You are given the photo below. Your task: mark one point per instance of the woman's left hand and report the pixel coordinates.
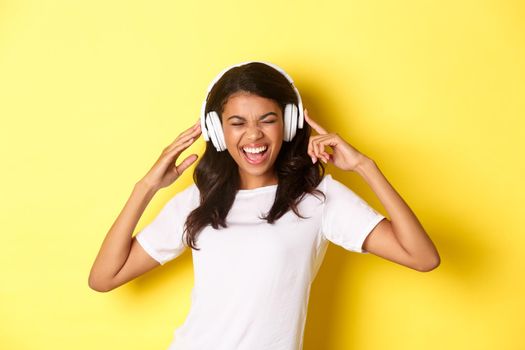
(344, 156)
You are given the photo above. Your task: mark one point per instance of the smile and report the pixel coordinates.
(255, 156)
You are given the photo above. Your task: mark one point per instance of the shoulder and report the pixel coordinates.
(322, 186)
(327, 183)
(335, 190)
(332, 185)
(187, 197)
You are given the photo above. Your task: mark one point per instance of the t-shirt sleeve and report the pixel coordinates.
(347, 219)
(162, 238)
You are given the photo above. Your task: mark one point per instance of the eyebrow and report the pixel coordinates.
(261, 117)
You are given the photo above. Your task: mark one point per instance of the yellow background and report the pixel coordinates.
(433, 91)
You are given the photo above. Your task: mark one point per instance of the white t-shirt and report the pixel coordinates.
(252, 279)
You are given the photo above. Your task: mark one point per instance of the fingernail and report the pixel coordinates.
(313, 160)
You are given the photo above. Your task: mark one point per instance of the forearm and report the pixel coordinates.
(117, 243)
(407, 228)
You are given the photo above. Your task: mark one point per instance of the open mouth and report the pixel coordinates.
(257, 155)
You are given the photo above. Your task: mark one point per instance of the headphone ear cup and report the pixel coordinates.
(293, 128)
(217, 127)
(204, 131)
(203, 128)
(300, 117)
(211, 131)
(287, 121)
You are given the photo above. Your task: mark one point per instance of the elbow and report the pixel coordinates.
(98, 286)
(429, 265)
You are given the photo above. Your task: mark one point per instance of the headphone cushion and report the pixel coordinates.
(217, 128)
(203, 128)
(287, 121)
(293, 126)
(211, 130)
(218, 131)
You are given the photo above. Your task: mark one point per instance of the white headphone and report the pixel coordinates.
(211, 124)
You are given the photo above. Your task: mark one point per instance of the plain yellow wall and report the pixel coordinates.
(91, 92)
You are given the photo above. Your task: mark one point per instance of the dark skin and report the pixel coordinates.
(249, 128)
(401, 239)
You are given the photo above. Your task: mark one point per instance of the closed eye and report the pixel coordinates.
(269, 122)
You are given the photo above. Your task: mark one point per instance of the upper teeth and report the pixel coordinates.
(255, 150)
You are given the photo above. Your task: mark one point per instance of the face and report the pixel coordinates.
(252, 123)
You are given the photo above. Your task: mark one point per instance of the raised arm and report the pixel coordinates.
(402, 239)
(121, 258)
(118, 245)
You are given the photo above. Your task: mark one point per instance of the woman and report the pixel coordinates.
(258, 217)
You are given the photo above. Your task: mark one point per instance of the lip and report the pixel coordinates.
(262, 160)
(255, 145)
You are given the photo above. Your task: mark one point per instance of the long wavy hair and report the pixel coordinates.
(217, 175)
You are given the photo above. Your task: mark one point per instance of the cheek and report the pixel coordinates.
(229, 135)
(233, 135)
(277, 131)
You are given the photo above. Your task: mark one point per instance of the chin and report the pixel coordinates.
(256, 172)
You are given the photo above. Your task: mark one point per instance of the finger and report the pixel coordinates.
(314, 125)
(185, 164)
(314, 139)
(174, 153)
(315, 146)
(311, 149)
(311, 154)
(319, 145)
(184, 138)
(194, 128)
(319, 150)
(330, 141)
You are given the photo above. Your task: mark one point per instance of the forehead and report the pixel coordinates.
(249, 103)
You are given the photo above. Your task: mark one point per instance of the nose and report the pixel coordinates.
(253, 132)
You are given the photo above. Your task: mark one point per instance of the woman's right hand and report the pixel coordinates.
(164, 172)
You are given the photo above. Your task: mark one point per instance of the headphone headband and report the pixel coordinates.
(300, 116)
(210, 86)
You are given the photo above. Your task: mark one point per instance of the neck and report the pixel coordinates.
(251, 182)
